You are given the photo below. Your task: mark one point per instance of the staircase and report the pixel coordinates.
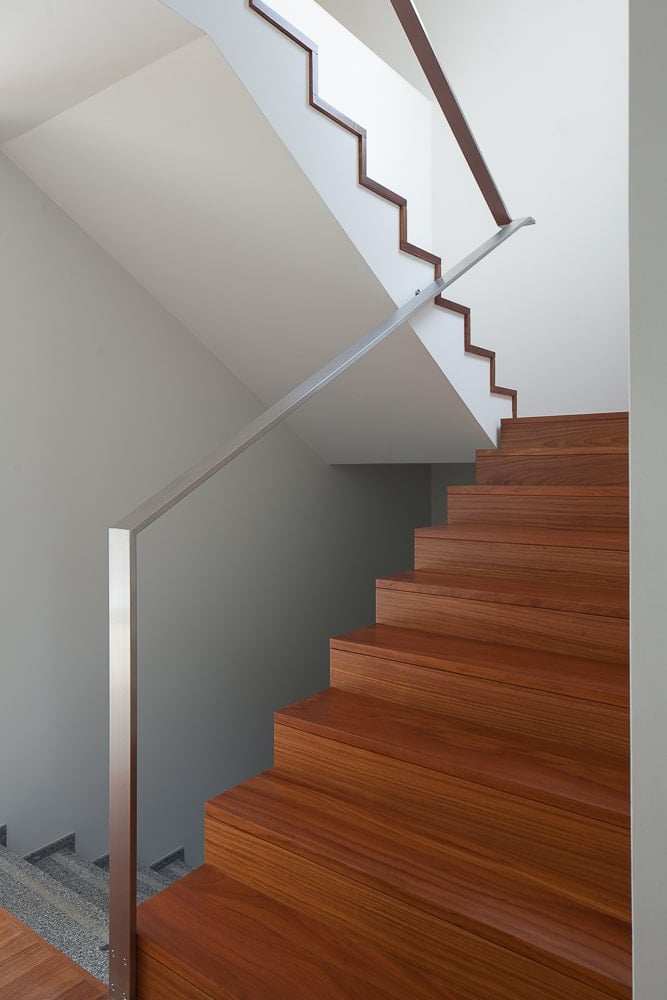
(451, 817)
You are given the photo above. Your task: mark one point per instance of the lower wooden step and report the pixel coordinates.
(560, 816)
(583, 622)
(211, 936)
(582, 703)
(553, 466)
(546, 506)
(486, 933)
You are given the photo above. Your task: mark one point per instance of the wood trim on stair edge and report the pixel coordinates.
(315, 101)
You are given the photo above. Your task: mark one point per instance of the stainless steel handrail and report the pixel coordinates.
(123, 617)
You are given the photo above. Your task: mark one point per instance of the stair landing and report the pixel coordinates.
(32, 968)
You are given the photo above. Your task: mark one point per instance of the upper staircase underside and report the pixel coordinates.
(450, 818)
(174, 170)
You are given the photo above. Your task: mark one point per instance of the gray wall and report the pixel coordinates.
(104, 398)
(648, 574)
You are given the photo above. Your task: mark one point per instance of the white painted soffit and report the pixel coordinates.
(176, 173)
(56, 53)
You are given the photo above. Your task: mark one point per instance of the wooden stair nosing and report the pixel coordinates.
(596, 787)
(265, 948)
(361, 846)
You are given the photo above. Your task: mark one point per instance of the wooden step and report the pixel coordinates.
(32, 969)
(604, 507)
(583, 430)
(455, 915)
(210, 936)
(448, 779)
(583, 703)
(557, 617)
(589, 556)
(553, 466)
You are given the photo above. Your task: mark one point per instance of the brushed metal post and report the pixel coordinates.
(122, 763)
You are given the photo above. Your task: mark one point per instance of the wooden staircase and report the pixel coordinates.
(451, 817)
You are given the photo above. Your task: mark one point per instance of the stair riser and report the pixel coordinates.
(598, 431)
(156, 981)
(541, 563)
(514, 709)
(466, 506)
(582, 857)
(583, 635)
(547, 470)
(466, 962)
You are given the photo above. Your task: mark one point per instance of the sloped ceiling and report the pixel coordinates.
(134, 124)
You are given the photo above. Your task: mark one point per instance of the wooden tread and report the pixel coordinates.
(587, 555)
(514, 799)
(594, 785)
(275, 834)
(582, 703)
(553, 466)
(211, 936)
(603, 681)
(547, 506)
(561, 618)
(588, 430)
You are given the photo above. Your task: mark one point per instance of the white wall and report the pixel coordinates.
(104, 398)
(375, 96)
(544, 87)
(648, 363)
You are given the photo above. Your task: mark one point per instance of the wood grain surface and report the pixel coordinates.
(585, 430)
(556, 466)
(32, 969)
(546, 506)
(267, 950)
(451, 817)
(591, 557)
(266, 832)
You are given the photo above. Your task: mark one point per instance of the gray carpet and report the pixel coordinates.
(65, 899)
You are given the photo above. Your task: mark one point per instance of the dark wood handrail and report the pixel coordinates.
(416, 34)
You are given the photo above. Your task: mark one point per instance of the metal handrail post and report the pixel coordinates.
(122, 762)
